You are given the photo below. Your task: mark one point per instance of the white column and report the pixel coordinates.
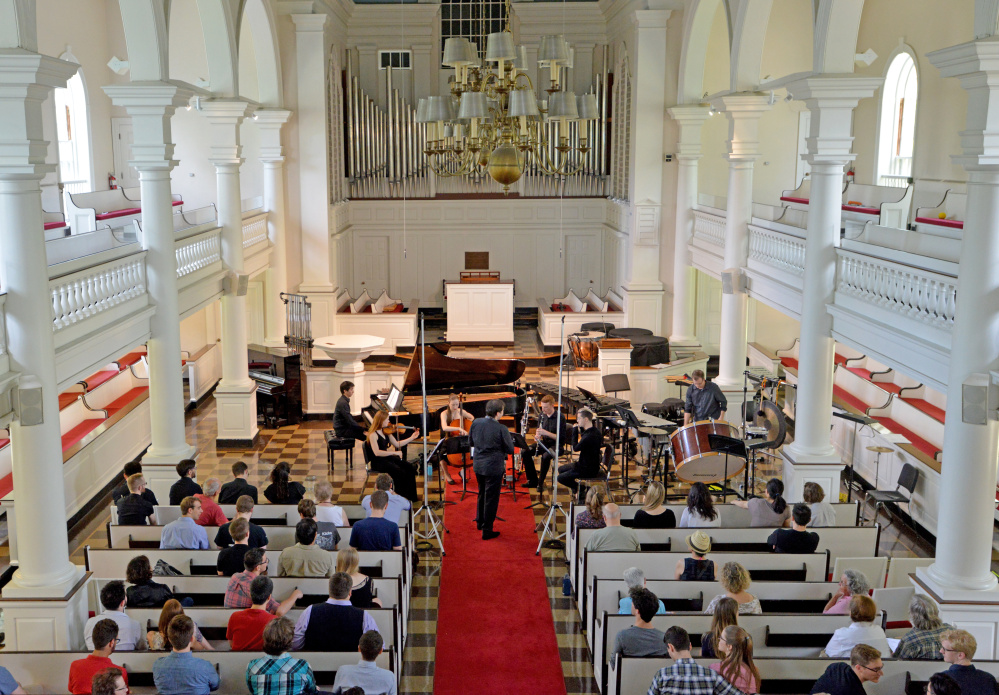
(269, 121)
(151, 107)
(235, 396)
(689, 119)
(743, 112)
(44, 569)
(831, 101)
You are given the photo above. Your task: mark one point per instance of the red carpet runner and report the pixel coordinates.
(495, 633)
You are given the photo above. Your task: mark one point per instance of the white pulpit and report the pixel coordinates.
(479, 312)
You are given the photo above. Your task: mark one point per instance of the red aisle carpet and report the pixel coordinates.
(495, 634)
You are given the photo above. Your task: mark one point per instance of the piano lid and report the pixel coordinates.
(459, 372)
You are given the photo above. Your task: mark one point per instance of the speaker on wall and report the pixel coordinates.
(27, 399)
(979, 400)
(733, 281)
(236, 283)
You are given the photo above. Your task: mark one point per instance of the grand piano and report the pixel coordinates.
(477, 380)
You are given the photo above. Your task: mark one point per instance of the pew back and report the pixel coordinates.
(263, 514)
(278, 537)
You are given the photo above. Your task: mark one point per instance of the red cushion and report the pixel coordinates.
(396, 309)
(4, 442)
(75, 435)
(926, 447)
(564, 308)
(6, 484)
(119, 213)
(68, 399)
(125, 399)
(55, 225)
(849, 398)
(889, 387)
(178, 202)
(862, 373)
(898, 625)
(101, 377)
(789, 362)
(926, 407)
(953, 224)
(839, 359)
(862, 209)
(792, 199)
(129, 359)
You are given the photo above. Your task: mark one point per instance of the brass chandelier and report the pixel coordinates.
(492, 120)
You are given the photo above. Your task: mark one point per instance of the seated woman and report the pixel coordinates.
(923, 640)
(325, 509)
(861, 630)
(726, 614)
(587, 464)
(593, 515)
(461, 419)
(823, 514)
(700, 511)
(735, 580)
(852, 583)
(382, 449)
(696, 568)
(735, 647)
(654, 513)
(282, 490)
(361, 595)
(158, 640)
(144, 592)
(327, 536)
(769, 511)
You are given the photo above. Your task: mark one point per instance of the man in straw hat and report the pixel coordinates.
(696, 568)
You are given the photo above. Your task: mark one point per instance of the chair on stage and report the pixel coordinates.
(907, 479)
(335, 444)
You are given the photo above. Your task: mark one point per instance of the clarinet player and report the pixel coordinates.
(550, 424)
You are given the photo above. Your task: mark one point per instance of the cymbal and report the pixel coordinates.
(880, 449)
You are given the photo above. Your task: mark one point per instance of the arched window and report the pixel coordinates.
(897, 132)
(73, 134)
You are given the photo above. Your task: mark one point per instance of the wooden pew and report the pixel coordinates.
(264, 514)
(278, 537)
(111, 207)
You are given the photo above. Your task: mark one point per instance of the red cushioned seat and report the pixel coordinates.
(839, 359)
(926, 407)
(6, 484)
(118, 213)
(129, 359)
(125, 399)
(953, 224)
(55, 225)
(889, 387)
(75, 435)
(563, 308)
(862, 209)
(101, 377)
(789, 362)
(792, 199)
(68, 399)
(849, 398)
(4, 442)
(898, 625)
(862, 373)
(178, 202)
(926, 447)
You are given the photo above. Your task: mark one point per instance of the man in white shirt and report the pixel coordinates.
(366, 675)
(397, 504)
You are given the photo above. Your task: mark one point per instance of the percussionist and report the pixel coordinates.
(705, 401)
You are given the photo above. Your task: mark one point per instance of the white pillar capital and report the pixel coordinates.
(690, 120)
(269, 123)
(225, 116)
(743, 111)
(151, 106)
(976, 65)
(309, 22)
(831, 101)
(651, 19)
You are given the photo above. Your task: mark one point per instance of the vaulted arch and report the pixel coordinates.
(837, 25)
(17, 25)
(749, 31)
(219, 20)
(259, 18)
(696, 31)
(145, 23)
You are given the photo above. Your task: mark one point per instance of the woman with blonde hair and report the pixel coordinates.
(382, 449)
(593, 515)
(361, 595)
(726, 613)
(735, 647)
(158, 640)
(654, 513)
(735, 580)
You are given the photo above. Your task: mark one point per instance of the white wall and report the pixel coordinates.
(771, 329)
(200, 329)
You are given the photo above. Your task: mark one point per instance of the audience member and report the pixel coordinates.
(634, 578)
(279, 673)
(923, 640)
(305, 558)
(861, 630)
(185, 486)
(244, 510)
(185, 532)
(842, 679)
(823, 514)
(238, 594)
(613, 536)
(640, 639)
(366, 675)
(238, 486)
(245, 629)
(771, 510)
(211, 512)
(942, 684)
(328, 512)
(159, 639)
(180, 673)
(735, 580)
(282, 490)
(113, 600)
(797, 540)
(131, 468)
(144, 592)
(344, 424)
(327, 536)
(654, 513)
(376, 532)
(333, 626)
(852, 583)
(110, 681)
(134, 509)
(9, 686)
(696, 568)
(958, 648)
(700, 511)
(82, 671)
(735, 648)
(685, 676)
(361, 594)
(397, 504)
(230, 559)
(593, 515)
(726, 614)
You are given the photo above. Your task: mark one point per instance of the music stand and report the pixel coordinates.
(549, 527)
(519, 442)
(860, 420)
(461, 446)
(433, 523)
(616, 382)
(723, 444)
(435, 456)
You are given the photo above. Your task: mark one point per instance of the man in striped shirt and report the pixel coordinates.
(685, 677)
(279, 673)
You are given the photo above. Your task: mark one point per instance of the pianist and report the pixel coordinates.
(343, 422)
(705, 401)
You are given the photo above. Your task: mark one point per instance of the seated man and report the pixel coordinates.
(279, 672)
(923, 640)
(130, 469)
(130, 635)
(180, 672)
(238, 593)
(367, 675)
(842, 679)
(959, 647)
(185, 532)
(110, 681)
(613, 536)
(551, 426)
(641, 639)
(245, 630)
(685, 676)
(82, 671)
(797, 539)
(305, 558)
(397, 504)
(134, 508)
(237, 487)
(587, 464)
(333, 626)
(376, 532)
(344, 424)
(244, 510)
(185, 487)
(211, 512)
(230, 560)
(327, 535)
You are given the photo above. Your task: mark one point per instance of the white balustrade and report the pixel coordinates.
(920, 294)
(710, 228)
(776, 249)
(3, 325)
(92, 291)
(254, 230)
(199, 251)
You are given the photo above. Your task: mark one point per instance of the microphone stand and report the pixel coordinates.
(432, 523)
(549, 527)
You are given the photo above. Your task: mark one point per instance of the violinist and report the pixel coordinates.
(455, 422)
(550, 424)
(383, 452)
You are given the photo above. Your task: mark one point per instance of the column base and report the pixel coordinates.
(46, 619)
(974, 611)
(168, 456)
(236, 414)
(735, 397)
(684, 341)
(161, 475)
(800, 468)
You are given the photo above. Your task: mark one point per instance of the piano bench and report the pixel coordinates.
(335, 443)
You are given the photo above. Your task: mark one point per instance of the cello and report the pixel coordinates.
(462, 424)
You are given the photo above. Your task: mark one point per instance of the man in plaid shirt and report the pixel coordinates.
(279, 673)
(237, 593)
(685, 677)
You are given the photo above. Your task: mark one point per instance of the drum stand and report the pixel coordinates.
(433, 523)
(549, 527)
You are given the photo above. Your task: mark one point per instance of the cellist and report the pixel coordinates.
(455, 422)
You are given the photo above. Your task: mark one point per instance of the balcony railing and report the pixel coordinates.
(90, 292)
(199, 251)
(710, 228)
(776, 249)
(254, 230)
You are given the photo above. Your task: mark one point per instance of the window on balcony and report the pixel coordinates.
(72, 132)
(473, 20)
(897, 126)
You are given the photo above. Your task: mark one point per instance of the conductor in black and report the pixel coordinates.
(491, 444)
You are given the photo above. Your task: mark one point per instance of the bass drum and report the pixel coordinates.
(694, 459)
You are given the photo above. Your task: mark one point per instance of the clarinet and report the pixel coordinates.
(518, 457)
